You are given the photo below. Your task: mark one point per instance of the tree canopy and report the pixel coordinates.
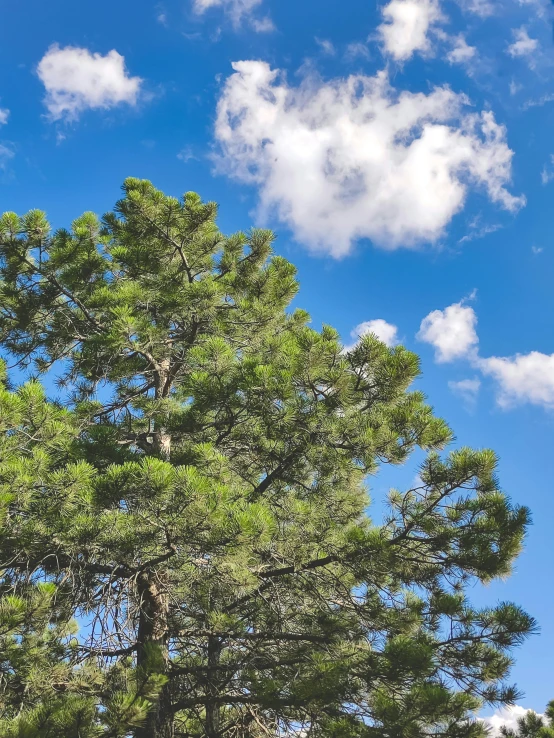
(185, 543)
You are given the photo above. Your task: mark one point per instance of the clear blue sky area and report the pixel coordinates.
(401, 151)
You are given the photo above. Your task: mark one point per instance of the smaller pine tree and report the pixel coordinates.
(532, 725)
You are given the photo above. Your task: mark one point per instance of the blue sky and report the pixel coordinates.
(401, 150)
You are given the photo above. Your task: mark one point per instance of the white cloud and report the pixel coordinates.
(506, 717)
(4, 115)
(461, 51)
(262, 25)
(522, 378)
(326, 46)
(523, 44)
(238, 11)
(356, 50)
(353, 158)
(385, 332)
(451, 332)
(537, 249)
(547, 174)
(482, 8)
(407, 26)
(186, 154)
(75, 79)
(6, 155)
(515, 87)
(467, 389)
(479, 229)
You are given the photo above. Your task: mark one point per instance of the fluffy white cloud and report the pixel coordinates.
(75, 79)
(4, 115)
(237, 10)
(385, 332)
(407, 25)
(506, 717)
(461, 52)
(523, 44)
(354, 158)
(451, 332)
(522, 378)
(467, 389)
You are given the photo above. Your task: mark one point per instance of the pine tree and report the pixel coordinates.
(532, 725)
(203, 513)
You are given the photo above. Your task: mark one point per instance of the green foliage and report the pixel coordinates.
(200, 503)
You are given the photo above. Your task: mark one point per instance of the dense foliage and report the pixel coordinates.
(199, 504)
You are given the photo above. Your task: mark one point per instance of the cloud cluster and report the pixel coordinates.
(354, 158)
(523, 378)
(385, 332)
(406, 27)
(76, 79)
(4, 115)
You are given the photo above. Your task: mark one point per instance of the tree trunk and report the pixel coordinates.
(154, 600)
(162, 439)
(153, 630)
(212, 707)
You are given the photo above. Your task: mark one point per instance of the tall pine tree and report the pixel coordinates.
(203, 510)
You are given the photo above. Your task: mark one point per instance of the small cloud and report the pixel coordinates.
(537, 249)
(356, 50)
(478, 229)
(482, 8)
(326, 46)
(461, 52)
(406, 27)
(523, 378)
(161, 14)
(523, 44)
(4, 115)
(547, 174)
(539, 102)
(515, 87)
(451, 332)
(385, 332)
(262, 25)
(467, 389)
(186, 154)
(7, 153)
(76, 80)
(238, 11)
